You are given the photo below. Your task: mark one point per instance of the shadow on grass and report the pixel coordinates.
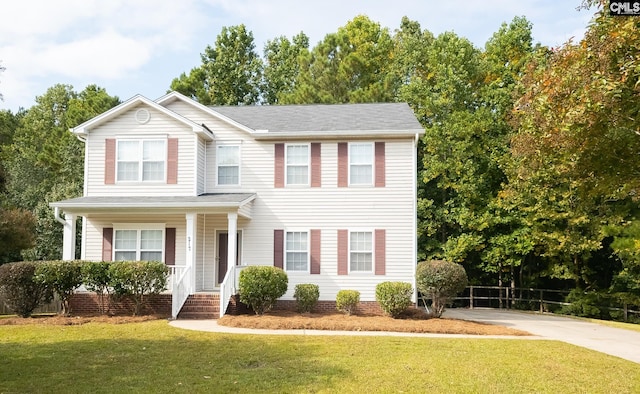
(180, 364)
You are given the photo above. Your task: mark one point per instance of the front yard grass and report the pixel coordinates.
(154, 357)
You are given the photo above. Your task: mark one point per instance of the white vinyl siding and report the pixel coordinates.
(138, 244)
(296, 251)
(361, 158)
(361, 251)
(297, 164)
(141, 160)
(228, 168)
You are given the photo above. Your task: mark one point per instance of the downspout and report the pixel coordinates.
(415, 216)
(56, 213)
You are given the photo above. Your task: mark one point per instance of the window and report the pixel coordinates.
(228, 158)
(296, 251)
(361, 163)
(297, 164)
(361, 251)
(141, 160)
(136, 245)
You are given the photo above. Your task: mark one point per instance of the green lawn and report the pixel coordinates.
(153, 357)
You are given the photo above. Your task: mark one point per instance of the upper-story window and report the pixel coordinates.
(228, 163)
(297, 164)
(141, 160)
(361, 163)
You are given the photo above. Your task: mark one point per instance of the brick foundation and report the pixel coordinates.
(89, 304)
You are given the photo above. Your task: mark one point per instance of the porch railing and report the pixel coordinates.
(180, 288)
(229, 286)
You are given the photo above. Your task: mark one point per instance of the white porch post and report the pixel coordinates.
(191, 246)
(232, 231)
(69, 237)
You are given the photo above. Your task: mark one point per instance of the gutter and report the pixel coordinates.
(56, 214)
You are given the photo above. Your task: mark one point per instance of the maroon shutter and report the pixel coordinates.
(381, 251)
(170, 246)
(278, 245)
(109, 161)
(279, 166)
(343, 252)
(315, 252)
(380, 165)
(316, 166)
(107, 241)
(343, 164)
(172, 161)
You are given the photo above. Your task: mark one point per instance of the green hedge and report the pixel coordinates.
(347, 301)
(394, 297)
(20, 288)
(261, 286)
(306, 295)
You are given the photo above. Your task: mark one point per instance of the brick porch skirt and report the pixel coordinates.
(89, 304)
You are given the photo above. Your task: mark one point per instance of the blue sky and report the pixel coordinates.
(134, 47)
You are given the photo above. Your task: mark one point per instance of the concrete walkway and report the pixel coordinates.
(614, 341)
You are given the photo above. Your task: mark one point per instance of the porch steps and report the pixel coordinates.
(201, 306)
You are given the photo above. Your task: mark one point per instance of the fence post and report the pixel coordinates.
(470, 297)
(541, 308)
(626, 312)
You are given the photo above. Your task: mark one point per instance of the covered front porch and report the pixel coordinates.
(194, 236)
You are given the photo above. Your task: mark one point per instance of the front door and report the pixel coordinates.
(223, 255)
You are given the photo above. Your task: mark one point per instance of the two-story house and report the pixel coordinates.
(326, 192)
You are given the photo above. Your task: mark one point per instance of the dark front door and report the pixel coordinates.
(223, 254)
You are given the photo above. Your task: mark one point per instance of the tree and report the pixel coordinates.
(440, 281)
(230, 73)
(282, 66)
(44, 161)
(349, 66)
(16, 233)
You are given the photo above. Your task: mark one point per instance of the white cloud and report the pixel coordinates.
(127, 46)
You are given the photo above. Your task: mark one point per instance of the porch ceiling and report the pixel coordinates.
(205, 203)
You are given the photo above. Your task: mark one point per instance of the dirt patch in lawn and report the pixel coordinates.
(414, 321)
(55, 320)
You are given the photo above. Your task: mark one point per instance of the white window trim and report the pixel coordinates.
(239, 165)
(373, 251)
(139, 227)
(284, 250)
(373, 163)
(164, 139)
(286, 166)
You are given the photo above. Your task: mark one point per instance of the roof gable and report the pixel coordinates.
(85, 128)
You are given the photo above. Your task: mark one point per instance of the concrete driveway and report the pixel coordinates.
(614, 341)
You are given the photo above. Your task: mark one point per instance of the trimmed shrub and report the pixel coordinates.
(62, 277)
(22, 292)
(440, 281)
(261, 286)
(347, 301)
(394, 297)
(97, 279)
(136, 280)
(306, 296)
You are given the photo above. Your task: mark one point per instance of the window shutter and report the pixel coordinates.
(172, 161)
(315, 252)
(343, 164)
(107, 241)
(380, 164)
(170, 246)
(381, 251)
(278, 245)
(343, 252)
(279, 166)
(316, 166)
(109, 161)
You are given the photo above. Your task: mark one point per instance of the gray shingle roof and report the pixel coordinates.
(204, 200)
(387, 117)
